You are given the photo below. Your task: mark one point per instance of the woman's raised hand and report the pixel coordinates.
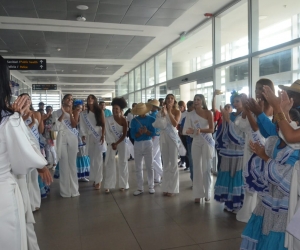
(225, 114)
(20, 105)
(271, 98)
(190, 131)
(286, 103)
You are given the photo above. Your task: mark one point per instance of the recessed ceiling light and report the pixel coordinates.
(82, 7)
(3, 51)
(262, 17)
(58, 49)
(81, 19)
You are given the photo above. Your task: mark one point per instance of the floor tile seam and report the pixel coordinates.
(126, 221)
(181, 247)
(208, 242)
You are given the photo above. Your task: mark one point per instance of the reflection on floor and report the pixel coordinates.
(119, 220)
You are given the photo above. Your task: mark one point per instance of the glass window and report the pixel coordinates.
(233, 28)
(193, 53)
(161, 91)
(150, 73)
(143, 75)
(282, 67)
(278, 22)
(206, 89)
(150, 94)
(50, 98)
(123, 86)
(138, 97)
(131, 81)
(130, 100)
(144, 96)
(231, 77)
(137, 75)
(162, 67)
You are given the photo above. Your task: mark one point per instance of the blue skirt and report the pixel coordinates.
(230, 190)
(254, 239)
(83, 166)
(43, 187)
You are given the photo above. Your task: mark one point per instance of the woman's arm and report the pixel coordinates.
(174, 118)
(210, 123)
(38, 116)
(252, 121)
(74, 115)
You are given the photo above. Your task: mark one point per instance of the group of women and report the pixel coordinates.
(258, 145)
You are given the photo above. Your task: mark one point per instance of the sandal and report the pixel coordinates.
(122, 189)
(107, 191)
(170, 194)
(165, 194)
(97, 186)
(197, 200)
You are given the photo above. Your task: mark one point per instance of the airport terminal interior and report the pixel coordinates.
(142, 50)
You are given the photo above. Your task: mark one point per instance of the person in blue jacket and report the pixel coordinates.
(142, 132)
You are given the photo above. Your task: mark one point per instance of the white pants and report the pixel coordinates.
(34, 189)
(96, 160)
(202, 164)
(157, 165)
(51, 154)
(110, 166)
(250, 202)
(169, 153)
(68, 181)
(32, 243)
(12, 229)
(143, 149)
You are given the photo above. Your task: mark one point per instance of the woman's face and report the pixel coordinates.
(237, 103)
(170, 100)
(197, 102)
(28, 100)
(79, 108)
(258, 91)
(68, 101)
(90, 100)
(116, 110)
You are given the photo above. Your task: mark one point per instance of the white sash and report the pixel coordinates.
(172, 133)
(118, 135)
(74, 131)
(94, 132)
(33, 130)
(209, 139)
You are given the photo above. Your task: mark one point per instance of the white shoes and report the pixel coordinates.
(151, 191)
(137, 192)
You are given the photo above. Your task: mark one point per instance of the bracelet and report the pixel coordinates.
(279, 117)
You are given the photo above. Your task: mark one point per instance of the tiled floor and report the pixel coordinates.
(118, 220)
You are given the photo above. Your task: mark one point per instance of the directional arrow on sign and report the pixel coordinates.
(41, 66)
(41, 61)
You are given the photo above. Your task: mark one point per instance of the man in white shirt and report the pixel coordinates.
(183, 159)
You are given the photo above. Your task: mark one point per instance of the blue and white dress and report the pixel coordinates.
(229, 183)
(272, 180)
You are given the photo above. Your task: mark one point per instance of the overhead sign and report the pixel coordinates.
(44, 86)
(26, 64)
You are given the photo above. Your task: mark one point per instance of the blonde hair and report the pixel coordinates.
(175, 106)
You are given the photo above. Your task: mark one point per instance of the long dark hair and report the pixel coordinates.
(31, 107)
(97, 111)
(5, 91)
(204, 106)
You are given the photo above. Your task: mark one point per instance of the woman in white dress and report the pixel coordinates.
(65, 122)
(167, 120)
(92, 128)
(18, 156)
(199, 125)
(115, 130)
(34, 122)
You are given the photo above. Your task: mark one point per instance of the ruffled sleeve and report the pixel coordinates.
(22, 153)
